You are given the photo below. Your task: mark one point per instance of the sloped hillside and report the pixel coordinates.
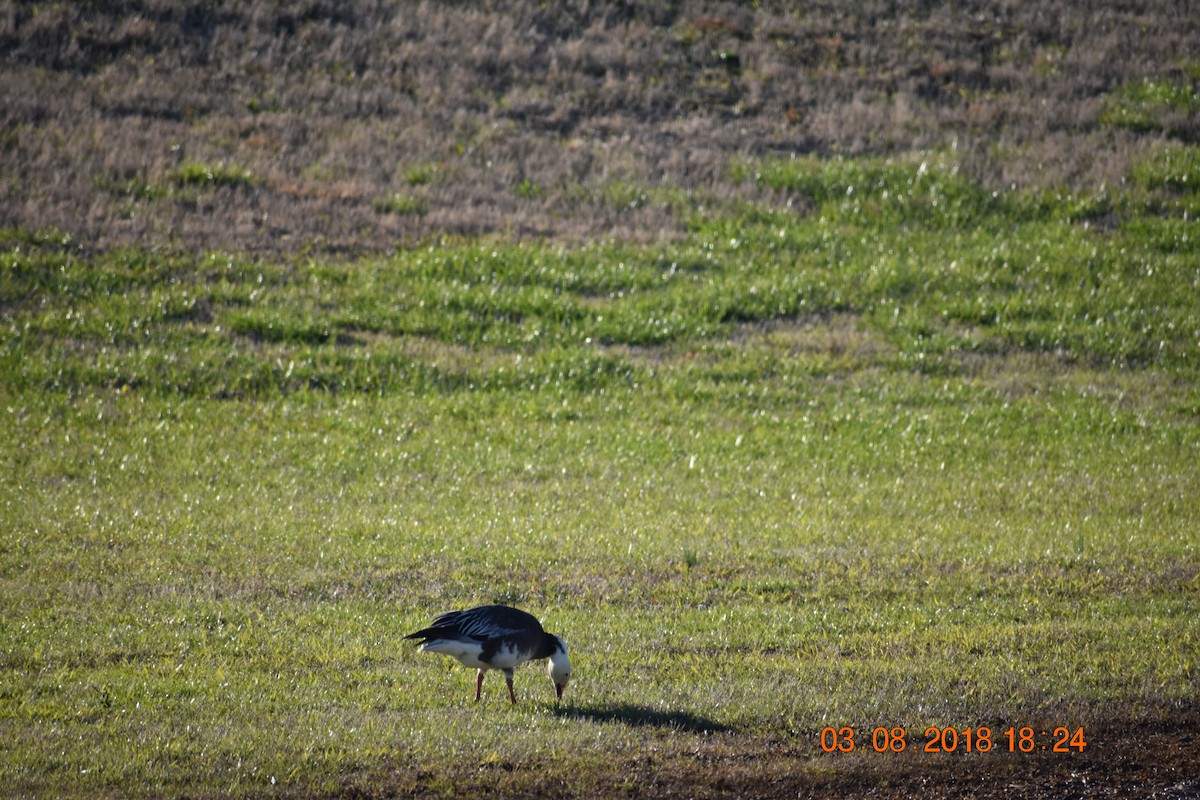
(267, 127)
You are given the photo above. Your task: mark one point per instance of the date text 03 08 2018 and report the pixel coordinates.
(950, 740)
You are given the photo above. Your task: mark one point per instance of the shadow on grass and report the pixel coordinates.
(642, 717)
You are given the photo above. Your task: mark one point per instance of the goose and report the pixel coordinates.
(496, 637)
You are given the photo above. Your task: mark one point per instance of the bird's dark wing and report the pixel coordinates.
(486, 622)
(482, 623)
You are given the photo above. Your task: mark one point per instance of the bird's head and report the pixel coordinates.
(560, 667)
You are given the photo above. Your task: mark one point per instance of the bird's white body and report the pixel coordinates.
(469, 653)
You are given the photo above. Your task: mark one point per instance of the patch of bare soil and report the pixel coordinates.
(1147, 759)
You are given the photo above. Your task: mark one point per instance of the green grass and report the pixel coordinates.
(1149, 104)
(199, 173)
(422, 174)
(907, 453)
(528, 190)
(401, 203)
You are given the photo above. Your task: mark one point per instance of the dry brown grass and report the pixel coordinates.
(530, 110)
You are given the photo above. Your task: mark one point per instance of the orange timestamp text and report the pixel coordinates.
(937, 739)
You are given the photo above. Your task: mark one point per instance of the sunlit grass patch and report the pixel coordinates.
(906, 452)
(528, 189)
(1167, 184)
(1150, 104)
(1175, 168)
(132, 187)
(401, 203)
(201, 173)
(930, 191)
(423, 174)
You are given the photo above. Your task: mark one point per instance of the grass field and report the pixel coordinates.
(808, 367)
(918, 455)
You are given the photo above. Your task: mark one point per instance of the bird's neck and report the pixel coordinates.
(547, 646)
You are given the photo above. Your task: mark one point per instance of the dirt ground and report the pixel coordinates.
(1146, 760)
(1157, 759)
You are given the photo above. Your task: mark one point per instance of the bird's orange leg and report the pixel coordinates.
(511, 695)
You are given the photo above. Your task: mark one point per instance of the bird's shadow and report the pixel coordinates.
(642, 717)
